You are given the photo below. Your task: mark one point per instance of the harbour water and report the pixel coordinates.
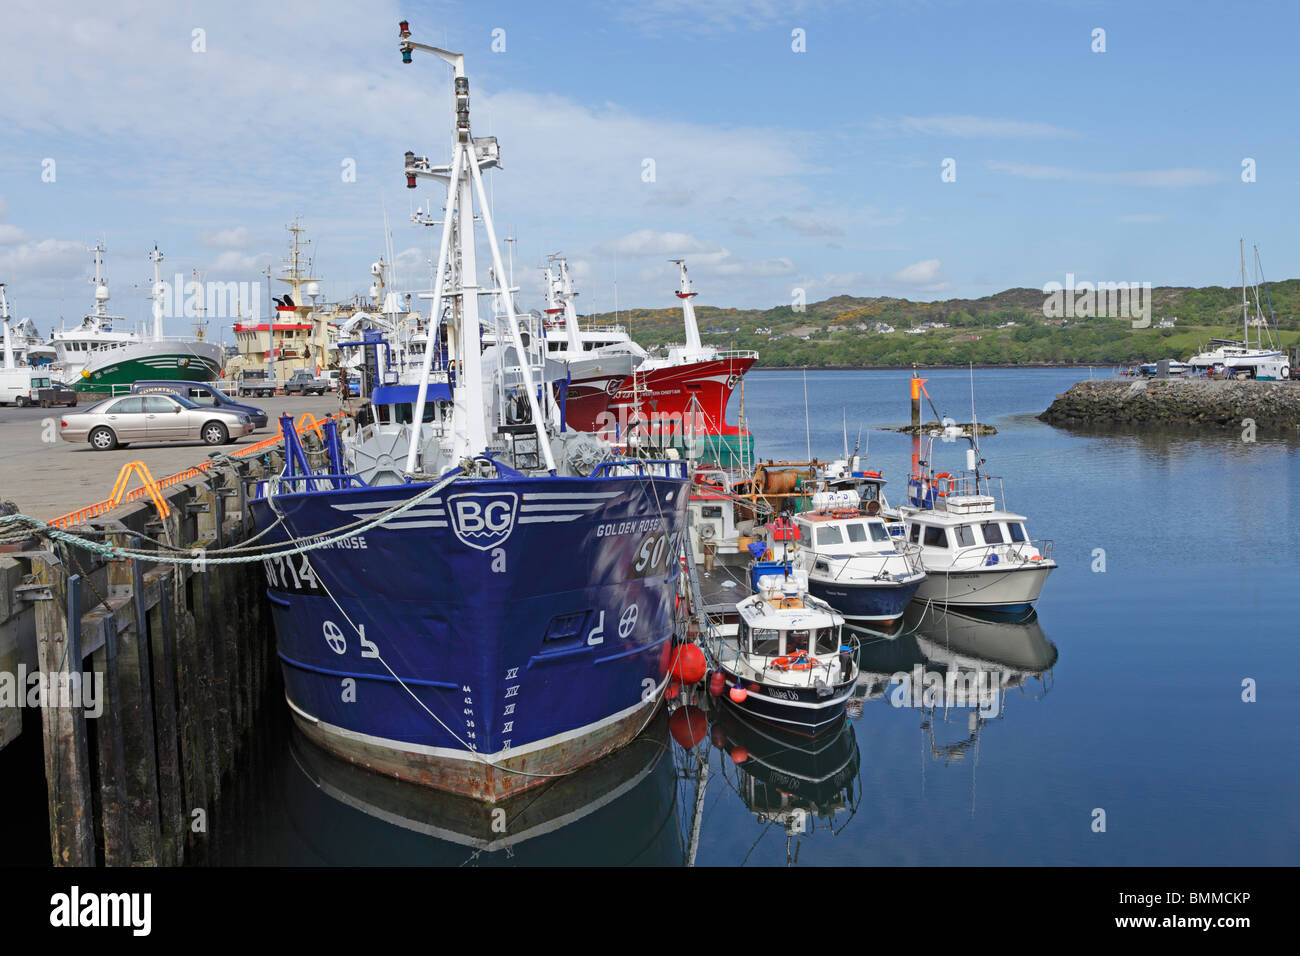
(1127, 696)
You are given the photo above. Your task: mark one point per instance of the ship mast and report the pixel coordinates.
(4, 317)
(464, 179)
(100, 283)
(693, 344)
(156, 294)
(567, 294)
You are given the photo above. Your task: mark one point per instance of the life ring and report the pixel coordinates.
(947, 479)
(781, 663)
(803, 666)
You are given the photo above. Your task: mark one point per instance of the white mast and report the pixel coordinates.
(101, 284)
(567, 296)
(464, 179)
(156, 294)
(693, 344)
(4, 316)
(1245, 315)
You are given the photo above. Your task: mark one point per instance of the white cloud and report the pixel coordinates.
(11, 234)
(976, 127)
(647, 242)
(656, 17)
(233, 262)
(44, 258)
(234, 238)
(1160, 178)
(925, 272)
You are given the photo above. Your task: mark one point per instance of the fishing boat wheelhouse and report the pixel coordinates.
(785, 657)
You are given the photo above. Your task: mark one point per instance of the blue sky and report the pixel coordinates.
(774, 170)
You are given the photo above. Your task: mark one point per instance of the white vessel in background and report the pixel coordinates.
(1258, 361)
(154, 355)
(23, 344)
(74, 347)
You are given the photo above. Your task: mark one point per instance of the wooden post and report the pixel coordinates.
(162, 643)
(67, 762)
(189, 696)
(137, 711)
(110, 742)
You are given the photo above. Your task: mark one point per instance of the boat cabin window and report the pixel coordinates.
(878, 531)
(965, 536)
(914, 534)
(857, 533)
(936, 537)
(799, 640)
(400, 414)
(992, 532)
(828, 640)
(829, 535)
(1017, 530)
(764, 640)
(711, 511)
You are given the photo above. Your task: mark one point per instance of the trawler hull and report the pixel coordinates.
(495, 635)
(675, 389)
(173, 361)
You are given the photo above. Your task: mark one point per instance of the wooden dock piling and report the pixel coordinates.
(176, 654)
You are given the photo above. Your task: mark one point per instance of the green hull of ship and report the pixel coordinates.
(123, 375)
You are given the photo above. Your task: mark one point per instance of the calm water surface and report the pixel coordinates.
(1125, 693)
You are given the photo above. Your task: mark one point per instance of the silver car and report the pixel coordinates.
(117, 422)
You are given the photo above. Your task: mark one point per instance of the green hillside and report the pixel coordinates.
(838, 330)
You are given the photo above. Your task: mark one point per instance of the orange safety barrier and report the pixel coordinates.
(153, 487)
(311, 419)
(150, 487)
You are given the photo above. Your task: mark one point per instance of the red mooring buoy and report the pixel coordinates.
(688, 725)
(688, 664)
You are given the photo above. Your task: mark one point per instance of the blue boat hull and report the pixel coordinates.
(867, 602)
(499, 633)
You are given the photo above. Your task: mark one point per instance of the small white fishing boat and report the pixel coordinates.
(784, 658)
(975, 552)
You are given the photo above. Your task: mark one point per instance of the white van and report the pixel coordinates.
(18, 385)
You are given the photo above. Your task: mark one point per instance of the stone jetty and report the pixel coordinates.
(1274, 407)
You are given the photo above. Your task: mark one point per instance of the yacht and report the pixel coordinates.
(1244, 359)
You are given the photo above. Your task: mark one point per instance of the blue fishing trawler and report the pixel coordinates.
(474, 598)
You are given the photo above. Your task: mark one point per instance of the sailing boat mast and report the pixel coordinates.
(1245, 315)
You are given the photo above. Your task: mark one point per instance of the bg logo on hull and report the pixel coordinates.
(485, 520)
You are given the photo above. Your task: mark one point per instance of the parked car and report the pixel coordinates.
(255, 382)
(303, 382)
(201, 393)
(116, 422)
(56, 394)
(335, 378)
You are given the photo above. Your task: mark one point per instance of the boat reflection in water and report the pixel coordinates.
(791, 784)
(620, 810)
(959, 670)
